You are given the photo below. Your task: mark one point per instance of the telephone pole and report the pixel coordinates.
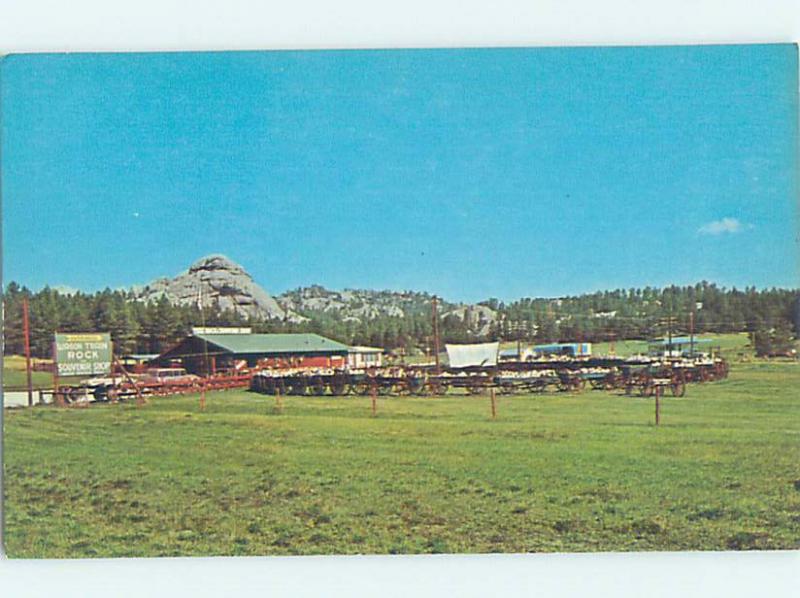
(26, 328)
(436, 334)
(669, 328)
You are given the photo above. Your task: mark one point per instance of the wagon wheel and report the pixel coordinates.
(646, 389)
(318, 386)
(506, 389)
(416, 386)
(612, 381)
(476, 389)
(437, 387)
(705, 375)
(724, 369)
(339, 386)
(678, 388)
(362, 387)
(539, 386)
(72, 395)
(299, 386)
(268, 386)
(399, 388)
(618, 380)
(578, 384)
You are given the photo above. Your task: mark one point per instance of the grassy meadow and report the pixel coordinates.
(14, 376)
(555, 472)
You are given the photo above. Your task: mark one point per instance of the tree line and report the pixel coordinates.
(772, 316)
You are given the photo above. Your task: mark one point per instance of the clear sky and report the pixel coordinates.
(468, 173)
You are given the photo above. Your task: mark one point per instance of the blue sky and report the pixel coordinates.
(468, 173)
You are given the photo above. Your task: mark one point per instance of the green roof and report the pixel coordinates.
(273, 343)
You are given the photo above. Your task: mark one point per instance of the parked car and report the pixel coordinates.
(172, 376)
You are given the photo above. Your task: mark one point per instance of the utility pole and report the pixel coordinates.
(436, 335)
(205, 354)
(56, 399)
(26, 327)
(669, 326)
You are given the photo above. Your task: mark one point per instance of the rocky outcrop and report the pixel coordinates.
(355, 305)
(360, 305)
(219, 281)
(477, 318)
(215, 279)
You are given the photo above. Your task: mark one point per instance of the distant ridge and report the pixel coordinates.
(221, 281)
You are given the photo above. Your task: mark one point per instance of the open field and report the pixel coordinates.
(558, 472)
(14, 374)
(734, 346)
(14, 377)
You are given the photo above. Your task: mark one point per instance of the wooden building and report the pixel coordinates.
(200, 353)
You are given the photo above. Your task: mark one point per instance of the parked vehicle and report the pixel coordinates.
(168, 376)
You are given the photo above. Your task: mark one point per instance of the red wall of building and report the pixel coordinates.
(335, 361)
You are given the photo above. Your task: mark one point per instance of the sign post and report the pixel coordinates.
(27, 333)
(658, 404)
(80, 354)
(56, 400)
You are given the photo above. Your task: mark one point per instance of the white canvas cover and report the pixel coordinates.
(462, 356)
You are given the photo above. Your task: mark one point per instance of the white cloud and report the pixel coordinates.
(721, 227)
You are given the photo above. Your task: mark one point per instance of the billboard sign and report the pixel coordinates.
(83, 354)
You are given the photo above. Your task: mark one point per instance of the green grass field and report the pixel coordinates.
(14, 374)
(733, 346)
(557, 472)
(14, 377)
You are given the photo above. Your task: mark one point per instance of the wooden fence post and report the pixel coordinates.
(494, 402)
(658, 404)
(56, 398)
(26, 330)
